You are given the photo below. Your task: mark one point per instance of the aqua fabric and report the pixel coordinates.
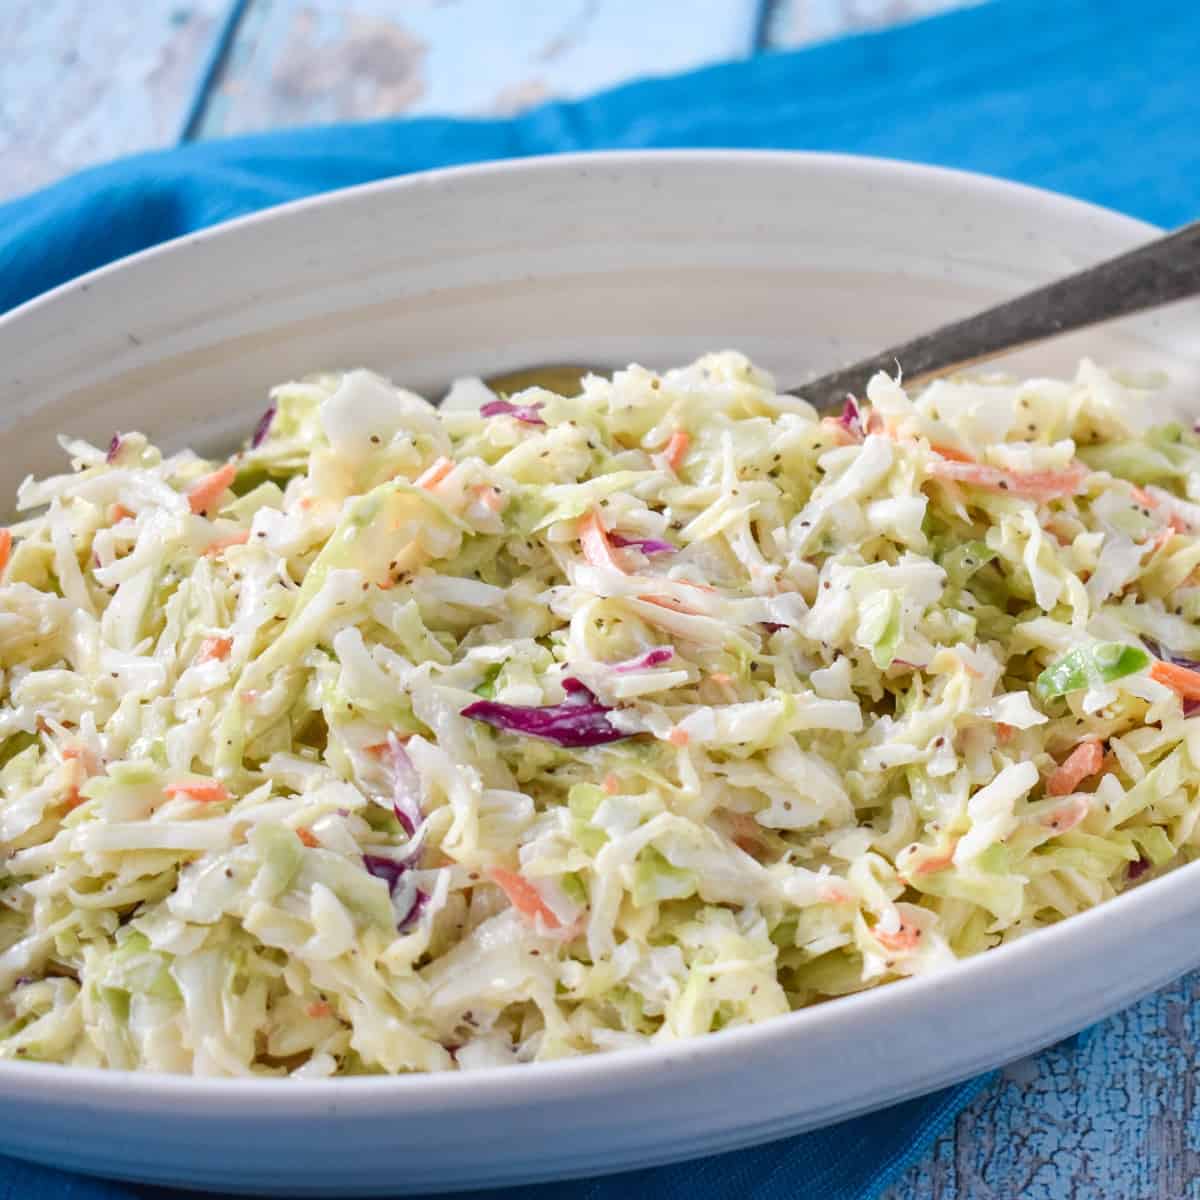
(1096, 98)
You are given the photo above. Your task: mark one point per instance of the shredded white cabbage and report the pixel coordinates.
(416, 739)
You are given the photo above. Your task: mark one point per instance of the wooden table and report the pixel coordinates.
(1112, 1117)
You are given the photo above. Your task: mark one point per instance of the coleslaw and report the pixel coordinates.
(416, 738)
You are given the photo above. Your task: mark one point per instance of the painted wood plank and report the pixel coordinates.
(87, 80)
(1111, 1116)
(798, 22)
(299, 62)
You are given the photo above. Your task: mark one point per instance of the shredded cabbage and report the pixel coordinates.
(414, 738)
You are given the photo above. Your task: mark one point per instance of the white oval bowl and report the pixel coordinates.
(802, 261)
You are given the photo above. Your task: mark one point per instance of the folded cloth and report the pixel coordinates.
(1097, 100)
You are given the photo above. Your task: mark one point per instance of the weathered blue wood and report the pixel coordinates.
(299, 62)
(1110, 1117)
(88, 80)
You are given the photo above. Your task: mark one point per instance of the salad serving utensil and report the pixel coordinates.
(1157, 273)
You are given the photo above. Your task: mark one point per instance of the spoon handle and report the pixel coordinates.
(1161, 271)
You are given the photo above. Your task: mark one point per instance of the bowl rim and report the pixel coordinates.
(571, 1077)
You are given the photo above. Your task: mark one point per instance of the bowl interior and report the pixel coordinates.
(803, 262)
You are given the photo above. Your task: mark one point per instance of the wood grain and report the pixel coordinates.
(1110, 1115)
(88, 80)
(299, 62)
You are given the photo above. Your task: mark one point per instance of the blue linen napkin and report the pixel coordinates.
(1098, 100)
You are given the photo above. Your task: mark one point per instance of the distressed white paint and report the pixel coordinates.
(86, 80)
(300, 62)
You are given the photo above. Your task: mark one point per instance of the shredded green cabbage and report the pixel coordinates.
(416, 739)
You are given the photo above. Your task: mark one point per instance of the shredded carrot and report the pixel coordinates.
(489, 497)
(318, 1009)
(937, 862)
(905, 938)
(1004, 732)
(434, 473)
(1030, 485)
(524, 897)
(612, 785)
(208, 491)
(1177, 523)
(721, 677)
(677, 448)
(214, 647)
(1181, 680)
(1086, 759)
(118, 512)
(1144, 498)
(307, 837)
(830, 893)
(875, 423)
(1066, 818)
(234, 539)
(198, 789)
(593, 540)
(1160, 539)
(5, 547)
(83, 766)
(678, 737)
(673, 604)
(951, 453)
(382, 749)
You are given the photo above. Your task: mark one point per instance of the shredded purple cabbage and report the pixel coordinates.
(1137, 869)
(851, 418)
(527, 413)
(1191, 707)
(652, 658)
(645, 545)
(580, 720)
(772, 626)
(392, 872)
(415, 909)
(262, 428)
(114, 448)
(387, 869)
(1161, 652)
(406, 787)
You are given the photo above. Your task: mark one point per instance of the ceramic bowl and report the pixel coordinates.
(802, 262)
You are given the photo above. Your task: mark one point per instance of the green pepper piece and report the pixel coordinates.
(1102, 662)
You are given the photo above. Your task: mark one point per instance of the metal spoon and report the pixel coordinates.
(1157, 273)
